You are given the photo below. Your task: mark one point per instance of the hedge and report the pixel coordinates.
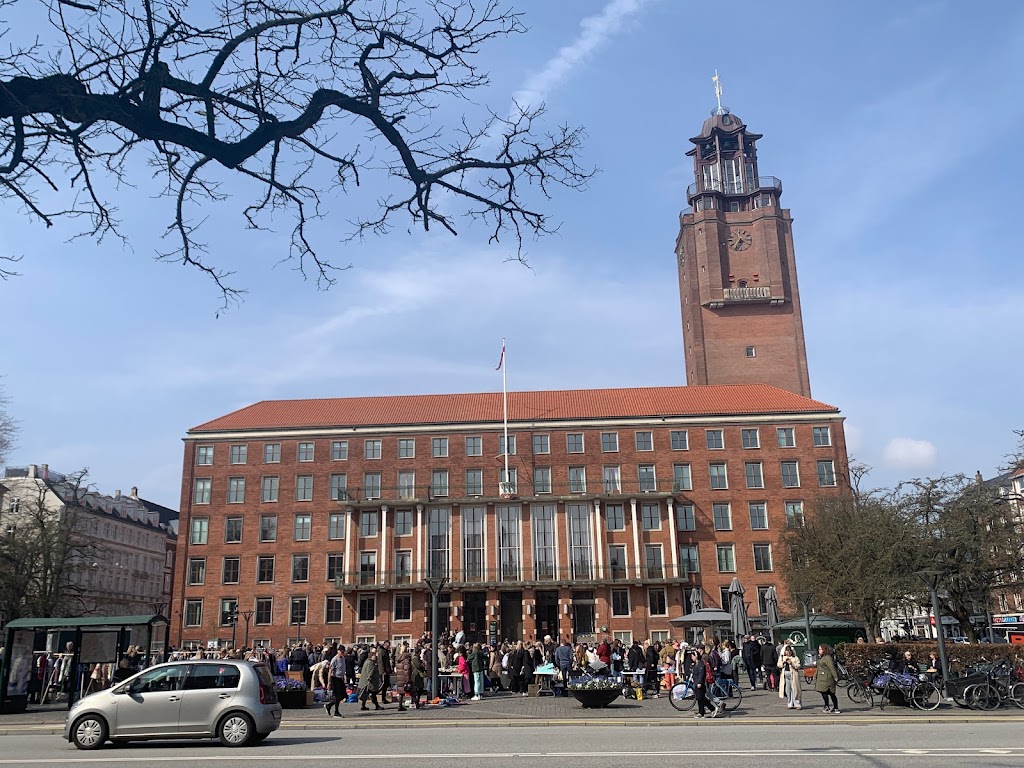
(959, 654)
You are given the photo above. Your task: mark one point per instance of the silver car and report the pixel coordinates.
(233, 701)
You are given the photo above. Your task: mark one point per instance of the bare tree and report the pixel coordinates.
(8, 429)
(282, 95)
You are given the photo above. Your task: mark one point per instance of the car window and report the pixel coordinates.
(264, 674)
(205, 676)
(160, 679)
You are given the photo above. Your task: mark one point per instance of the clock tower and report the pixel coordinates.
(737, 271)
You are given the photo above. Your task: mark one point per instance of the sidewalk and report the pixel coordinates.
(505, 710)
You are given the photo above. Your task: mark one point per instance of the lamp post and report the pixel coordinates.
(931, 580)
(233, 618)
(246, 615)
(435, 584)
(805, 599)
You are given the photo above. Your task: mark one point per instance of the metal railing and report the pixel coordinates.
(524, 489)
(735, 187)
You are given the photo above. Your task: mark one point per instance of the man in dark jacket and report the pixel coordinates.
(563, 660)
(517, 661)
(385, 667)
(770, 660)
(651, 665)
(699, 673)
(752, 659)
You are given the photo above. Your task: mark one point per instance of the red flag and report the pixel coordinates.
(501, 360)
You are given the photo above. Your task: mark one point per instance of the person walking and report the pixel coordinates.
(826, 679)
(789, 680)
(403, 675)
(369, 681)
(419, 676)
(384, 665)
(338, 673)
(701, 676)
(476, 668)
(516, 668)
(770, 660)
(563, 661)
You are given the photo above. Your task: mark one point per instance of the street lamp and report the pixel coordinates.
(931, 579)
(435, 584)
(805, 599)
(246, 615)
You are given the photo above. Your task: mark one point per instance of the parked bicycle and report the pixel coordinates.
(682, 697)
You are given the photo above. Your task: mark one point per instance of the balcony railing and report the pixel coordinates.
(457, 492)
(735, 187)
(518, 574)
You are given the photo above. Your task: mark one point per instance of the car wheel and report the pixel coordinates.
(89, 732)
(236, 730)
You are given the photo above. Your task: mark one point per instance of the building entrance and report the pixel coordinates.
(511, 615)
(547, 613)
(474, 616)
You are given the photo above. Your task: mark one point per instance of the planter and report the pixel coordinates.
(292, 699)
(596, 699)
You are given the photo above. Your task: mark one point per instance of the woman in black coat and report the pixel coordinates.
(770, 661)
(651, 660)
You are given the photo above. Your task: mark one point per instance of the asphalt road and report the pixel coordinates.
(838, 745)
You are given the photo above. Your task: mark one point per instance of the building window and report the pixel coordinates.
(439, 482)
(474, 446)
(403, 522)
(680, 440)
(265, 569)
(305, 452)
(371, 449)
(614, 517)
(333, 610)
(508, 481)
(751, 438)
(193, 613)
(472, 543)
(300, 567)
(304, 488)
(303, 527)
(407, 484)
(612, 480)
(719, 478)
(236, 490)
(723, 596)
(238, 453)
(229, 573)
(794, 514)
(822, 437)
(336, 525)
(686, 518)
(201, 493)
(787, 437)
(542, 480)
(339, 487)
(826, 473)
(682, 479)
(403, 607)
(298, 611)
(689, 559)
(228, 611)
(762, 557)
(543, 530)
(270, 488)
(723, 517)
(233, 530)
(264, 611)
(577, 480)
(200, 529)
(204, 455)
(574, 442)
(580, 552)
(367, 607)
(656, 602)
(645, 441)
(268, 528)
(617, 560)
(339, 450)
(646, 478)
(368, 522)
(758, 515)
(511, 445)
(367, 567)
(336, 567)
(474, 482)
(508, 541)
(651, 516)
(196, 571)
(754, 476)
(407, 448)
(609, 442)
(714, 439)
(726, 559)
(371, 485)
(439, 447)
(762, 603)
(541, 444)
(271, 453)
(620, 602)
(790, 474)
(439, 529)
(751, 352)
(652, 557)
(403, 566)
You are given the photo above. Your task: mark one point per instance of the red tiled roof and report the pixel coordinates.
(569, 405)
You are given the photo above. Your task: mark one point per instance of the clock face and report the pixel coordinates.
(739, 239)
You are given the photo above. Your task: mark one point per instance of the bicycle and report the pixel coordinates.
(681, 695)
(919, 693)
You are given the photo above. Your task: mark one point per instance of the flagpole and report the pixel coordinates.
(504, 408)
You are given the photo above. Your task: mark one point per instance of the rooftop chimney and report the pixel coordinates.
(45, 469)
(135, 491)
(31, 470)
(117, 495)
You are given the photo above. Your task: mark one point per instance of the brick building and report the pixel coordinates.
(330, 513)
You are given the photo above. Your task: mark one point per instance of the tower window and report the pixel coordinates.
(734, 206)
(751, 352)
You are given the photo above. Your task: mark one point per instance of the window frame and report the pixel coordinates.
(373, 449)
(750, 445)
(204, 455)
(407, 447)
(271, 453)
(339, 450)
(305, 451)
(679, 444)
(644, 440)
(723, 478)
(730, 551)
(786, 437)
(541, 444)
(571, 443)
(619, 593)
(714, 436)
(721, 523)
(439, 447)
(609, 442)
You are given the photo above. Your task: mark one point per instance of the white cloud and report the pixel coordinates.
(596, 31)
(908, 453)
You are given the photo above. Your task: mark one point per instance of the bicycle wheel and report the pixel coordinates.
(883, 697)
(860, 694)
(925, 695)
(731, 694)
(681, 696)
(1016, 694)
(983, 697)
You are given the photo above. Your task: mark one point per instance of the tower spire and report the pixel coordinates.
(718, 93)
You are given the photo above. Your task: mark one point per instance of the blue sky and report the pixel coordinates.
(895, 128)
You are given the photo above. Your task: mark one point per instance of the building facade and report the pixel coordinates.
(738, 290)
(321, 519)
